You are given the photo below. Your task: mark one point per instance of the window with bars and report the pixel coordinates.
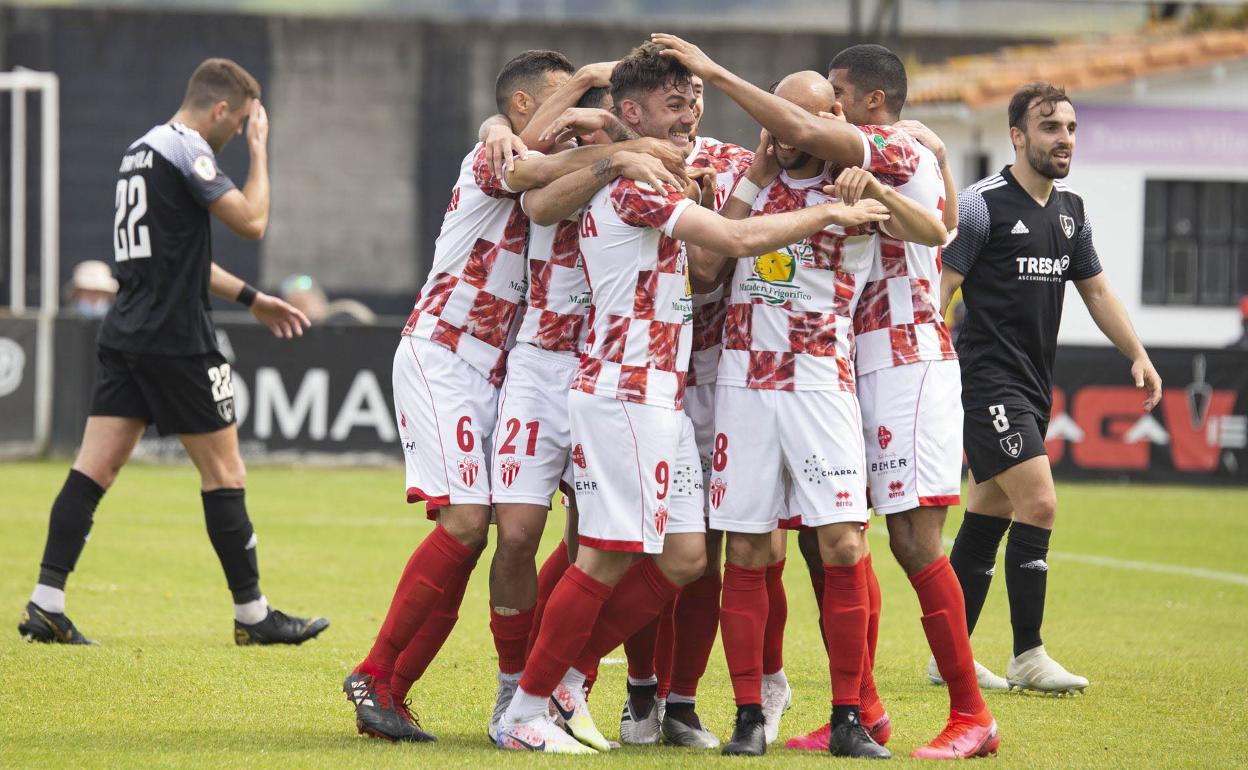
(1195, 242)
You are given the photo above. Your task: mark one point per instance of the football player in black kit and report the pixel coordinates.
(1022, 235)
(158, 360)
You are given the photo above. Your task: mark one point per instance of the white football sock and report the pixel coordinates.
(525, 707)
(674, 699)
(48, 599)
(574, 680)
(643, 682)
(251, 613)
(778, 678)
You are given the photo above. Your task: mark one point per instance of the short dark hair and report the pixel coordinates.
(527, 73)
(645, 69)
(220, 80)
(593, 97)
(1037, 94)
(873, 67)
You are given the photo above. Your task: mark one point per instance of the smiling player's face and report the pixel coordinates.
(1049, 138)
(669, 113)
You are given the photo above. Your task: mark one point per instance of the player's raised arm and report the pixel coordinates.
(909, 221)
(282, 318)
(832, 140)
(928, 138)
(246, 211)
(641, 160)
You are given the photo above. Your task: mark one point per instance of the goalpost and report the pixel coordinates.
(45, 85)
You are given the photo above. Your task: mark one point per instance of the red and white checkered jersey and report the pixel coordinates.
(558, 297)
(640, 311)
(790, 313)
(730, 163)
(898, 319)
(470, 301)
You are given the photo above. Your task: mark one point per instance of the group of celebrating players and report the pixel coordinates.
(688, 338)
(703, 347)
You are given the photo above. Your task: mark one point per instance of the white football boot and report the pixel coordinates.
(1035, 670)
(987, 679)
(507, 684)
(777, 698)
(538, 734)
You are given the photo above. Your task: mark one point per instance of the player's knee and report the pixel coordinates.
(684, 571)
(842, 548)
(469, 525)
(748, 551)
(1040, 511)
(517, 544)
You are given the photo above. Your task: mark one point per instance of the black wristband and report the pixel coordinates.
(247, 295)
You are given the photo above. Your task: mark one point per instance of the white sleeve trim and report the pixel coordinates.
(670, 225)
(866, 150)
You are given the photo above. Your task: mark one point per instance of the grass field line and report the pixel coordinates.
(1234, 578)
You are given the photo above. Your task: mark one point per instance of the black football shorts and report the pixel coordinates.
(999, 436)
(180, 394)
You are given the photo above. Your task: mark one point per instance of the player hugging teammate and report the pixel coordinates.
(687, 338)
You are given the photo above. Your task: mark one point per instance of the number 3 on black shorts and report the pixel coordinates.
(999, 420)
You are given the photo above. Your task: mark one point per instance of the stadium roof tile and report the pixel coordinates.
(1077, 64)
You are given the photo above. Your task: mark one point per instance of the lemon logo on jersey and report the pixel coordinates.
(773, 280)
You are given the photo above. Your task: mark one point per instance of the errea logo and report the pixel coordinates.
(1042, 268)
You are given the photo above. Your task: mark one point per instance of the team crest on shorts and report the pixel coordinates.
(883, 435)
(660, 518)
(1068, 224)
(1012, 444)
(508, 470)
(578, 456)
(468, 468)
(896, 489)
(226, 409)
(719, 488)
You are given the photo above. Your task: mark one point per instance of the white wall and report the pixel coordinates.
(1114, 190)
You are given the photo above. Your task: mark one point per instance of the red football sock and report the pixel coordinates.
(777, 616)
(425, 645)
(511, 638)
(697, 623)
(665, 647)
(944, 622)
(572, 612)
(547, 577)
(867, 694)
(744, 620)
(845, 626)
(816, 583)
(642, 593)
(432, 567)
(640, 650)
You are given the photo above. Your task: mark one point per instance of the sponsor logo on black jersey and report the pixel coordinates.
(1049, 269)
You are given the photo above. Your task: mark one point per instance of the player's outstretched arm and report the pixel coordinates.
(928, 138)
(1112, 319)
(281, 318)
(541, 170)
(564, 196)
(832, 140)
(586, 120)
(246, 211)
(587, 77)
(721, 238)
(909, 221)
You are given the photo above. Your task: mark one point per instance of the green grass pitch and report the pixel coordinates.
(1165, 649)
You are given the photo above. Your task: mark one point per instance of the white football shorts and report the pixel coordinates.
(912, 428)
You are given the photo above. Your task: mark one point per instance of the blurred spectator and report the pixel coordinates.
(92, 289)
(1242, 342)
(305, 293)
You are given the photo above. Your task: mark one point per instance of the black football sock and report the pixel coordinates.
(974, 559)
(68, 527)
(229, 529)
(1026, 576)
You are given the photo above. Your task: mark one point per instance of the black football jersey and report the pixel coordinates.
(162, 244)
(1016, 256)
